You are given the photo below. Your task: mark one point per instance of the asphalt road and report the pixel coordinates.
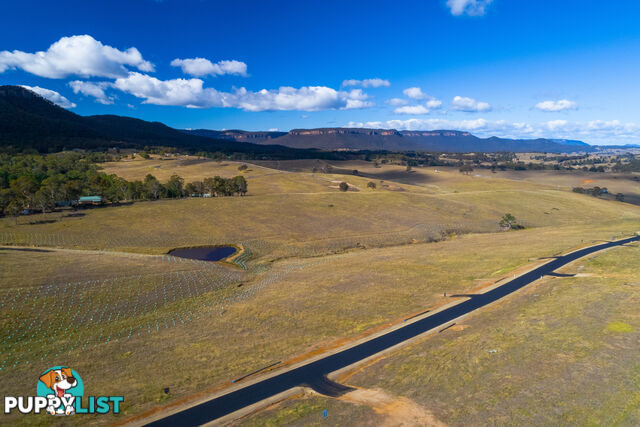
(314, 374)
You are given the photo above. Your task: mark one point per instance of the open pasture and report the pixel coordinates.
(317, 269)
(563, 351)
(261, 180)
(196, 316)
(449, 179)
(327, 219)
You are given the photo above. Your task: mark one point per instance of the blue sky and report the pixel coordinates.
(558, 69)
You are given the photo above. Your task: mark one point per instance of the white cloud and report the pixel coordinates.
(468, 7)
(76, 55)
(307, 98)
(396, 102)
(460, 103)
(52, 96)
(563, 104)
(366, 82)
(95, 90)
(432, 104)
(411, 109)
(191, 93)
(596, 131)
(184, 92)
(425, 124)
(415, 93)
(201, 67)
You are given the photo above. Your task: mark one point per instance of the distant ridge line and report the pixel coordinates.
(438, 140)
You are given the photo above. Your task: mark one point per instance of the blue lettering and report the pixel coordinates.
(116, 403)
(103, 404)
(79, 408)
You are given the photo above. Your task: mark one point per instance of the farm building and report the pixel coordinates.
(90, 200)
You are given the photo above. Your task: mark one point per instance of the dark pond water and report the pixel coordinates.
(207, 253)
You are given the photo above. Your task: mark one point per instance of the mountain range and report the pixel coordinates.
(28, 121)
(394, 140)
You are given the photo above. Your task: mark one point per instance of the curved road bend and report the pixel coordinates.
(314, 374)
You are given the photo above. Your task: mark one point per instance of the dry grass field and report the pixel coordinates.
(322, 267)
(561, 352)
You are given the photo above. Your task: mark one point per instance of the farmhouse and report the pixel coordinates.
(90, 200)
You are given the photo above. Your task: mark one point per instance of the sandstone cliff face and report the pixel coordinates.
(343, 131)
(435, 133)
(250, 136)
(347, 139)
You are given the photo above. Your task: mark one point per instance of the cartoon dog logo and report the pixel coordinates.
(60, 380)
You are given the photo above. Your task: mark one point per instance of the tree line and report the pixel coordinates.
(37, 182)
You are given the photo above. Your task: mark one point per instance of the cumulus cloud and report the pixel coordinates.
(595, 131)
(76, 55)
(415, 93)
(366, 83)
(424, 124)
(96, 90)
(433, 104)
(550, 106)
(201, 67)
(397, 102)
(411, 109)
(184, 92)
(306, 98)
(470, 105)
(192, 93)
(52, 96)
(468, 7)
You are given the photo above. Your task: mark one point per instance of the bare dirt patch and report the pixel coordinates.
(398, 411)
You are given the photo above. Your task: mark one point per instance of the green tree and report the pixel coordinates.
(371, 185)
(43, 200)
(189, 189)
(241, 185)
(14, 208)
(53, 186)
(344, 186)
(121, 189)
(25, 188)
(153, 187)
(175, 186)
(219, 186)
(509, 222)
(229, 187)
(209, 186)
